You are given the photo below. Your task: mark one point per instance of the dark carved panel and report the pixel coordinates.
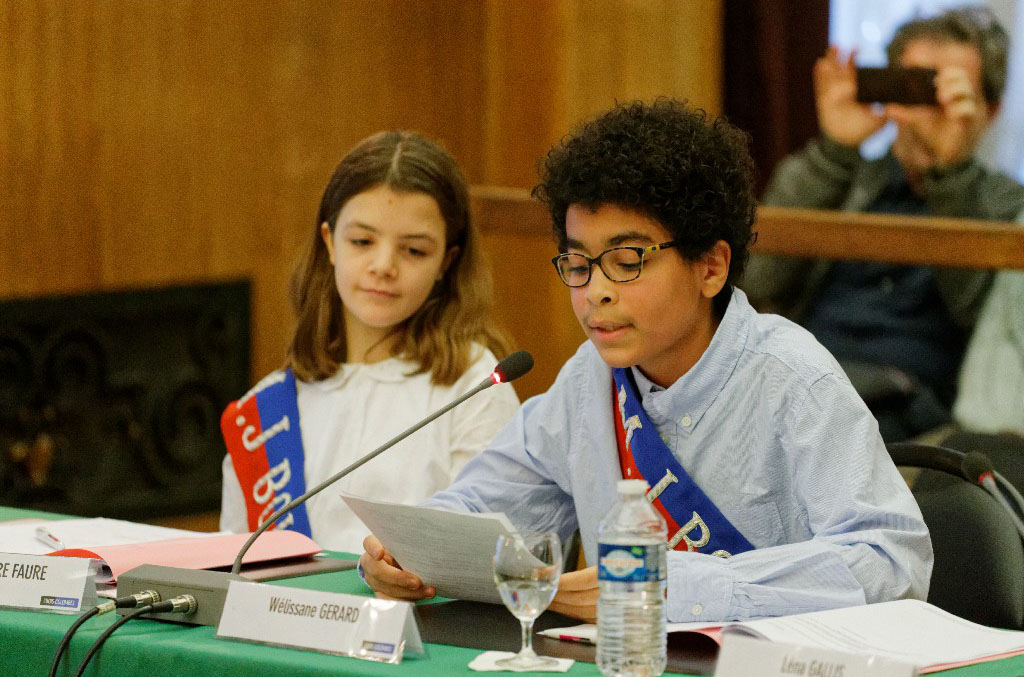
(110, 402)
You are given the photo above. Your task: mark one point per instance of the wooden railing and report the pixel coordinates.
(534, 306)
(815, 233)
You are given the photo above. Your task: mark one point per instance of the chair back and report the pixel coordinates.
(979, 556)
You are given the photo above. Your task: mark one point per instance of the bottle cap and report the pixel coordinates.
(632, 487)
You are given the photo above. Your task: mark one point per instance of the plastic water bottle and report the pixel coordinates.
(631, 580)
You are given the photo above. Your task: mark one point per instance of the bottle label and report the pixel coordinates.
(630, 563)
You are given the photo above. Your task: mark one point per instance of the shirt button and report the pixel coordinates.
(686, 421)
(697, 609)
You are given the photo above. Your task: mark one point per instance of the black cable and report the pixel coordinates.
(184, 604)
(66, 639)
(127, 602)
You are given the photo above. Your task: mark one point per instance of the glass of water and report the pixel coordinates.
(526, 569)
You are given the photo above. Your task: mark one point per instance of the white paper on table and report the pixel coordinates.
(905, 630)
(20, 535)
(908, 631)
(452, 551)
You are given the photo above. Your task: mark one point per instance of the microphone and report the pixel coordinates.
(978, 468)
(512, 367)
(210, 587)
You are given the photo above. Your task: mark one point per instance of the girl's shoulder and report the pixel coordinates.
(274, 378)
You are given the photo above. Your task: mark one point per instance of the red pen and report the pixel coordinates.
(45, 536)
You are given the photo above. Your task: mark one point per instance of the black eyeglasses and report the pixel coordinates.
(619, 264)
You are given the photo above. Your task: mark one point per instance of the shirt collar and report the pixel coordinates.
(390, 370)
(694, 392)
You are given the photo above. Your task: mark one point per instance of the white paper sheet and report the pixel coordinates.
(20, 536)
(450, 550)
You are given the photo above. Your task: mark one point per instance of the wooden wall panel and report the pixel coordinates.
(639, 49)
(534, 305)
(148, 143)
(527, 106)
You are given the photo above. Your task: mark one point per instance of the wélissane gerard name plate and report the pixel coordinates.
(327, 622)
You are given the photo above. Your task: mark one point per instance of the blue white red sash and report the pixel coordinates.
(261, 431)
(694, 522)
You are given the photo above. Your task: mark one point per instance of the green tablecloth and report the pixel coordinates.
(28, 640)
(153, 648)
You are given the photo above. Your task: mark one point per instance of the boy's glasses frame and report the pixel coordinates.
(570, 266)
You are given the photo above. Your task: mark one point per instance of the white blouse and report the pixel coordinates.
(350, 414)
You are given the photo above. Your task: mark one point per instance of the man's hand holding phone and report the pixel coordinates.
(941, 113)
(949, 131)
(841, 117)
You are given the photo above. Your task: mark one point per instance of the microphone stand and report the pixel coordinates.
(282, 511)
(210, 588)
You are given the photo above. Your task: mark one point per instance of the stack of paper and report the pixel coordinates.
(909, 631)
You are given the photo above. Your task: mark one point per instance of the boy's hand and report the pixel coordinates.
(840, 116)
(386, 576)
(577, 595)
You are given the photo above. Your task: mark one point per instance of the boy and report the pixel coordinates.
(772, 472)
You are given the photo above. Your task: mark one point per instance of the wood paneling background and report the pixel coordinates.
(148, 143)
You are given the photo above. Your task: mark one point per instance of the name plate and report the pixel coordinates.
(57, 584)
(327, 622)
(744, 656)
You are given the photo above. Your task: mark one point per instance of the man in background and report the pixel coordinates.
(899, 331)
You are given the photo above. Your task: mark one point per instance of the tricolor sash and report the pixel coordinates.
(261, 431)
(694, 523)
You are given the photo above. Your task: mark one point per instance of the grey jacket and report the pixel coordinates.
(826, 175)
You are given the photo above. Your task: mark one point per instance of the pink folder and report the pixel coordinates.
(203, 552)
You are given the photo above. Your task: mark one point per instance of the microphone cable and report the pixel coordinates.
(127, 602)
(1012, 490)
(977, 467)
(184, 604)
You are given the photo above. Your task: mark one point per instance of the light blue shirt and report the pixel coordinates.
(769, 427)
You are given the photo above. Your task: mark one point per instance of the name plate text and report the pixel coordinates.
(41, 583)
(327, 622)
(745, 656)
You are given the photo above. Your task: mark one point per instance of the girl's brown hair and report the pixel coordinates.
(440, 334)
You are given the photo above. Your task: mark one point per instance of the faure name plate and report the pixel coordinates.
(327, 622)
(40, 583)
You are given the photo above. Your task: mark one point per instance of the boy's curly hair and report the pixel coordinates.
(692, 174)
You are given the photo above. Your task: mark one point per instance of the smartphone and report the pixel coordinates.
(910, 86)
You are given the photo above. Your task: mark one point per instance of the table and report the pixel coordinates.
(28, 640)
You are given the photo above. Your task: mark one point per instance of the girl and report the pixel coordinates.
(393, 301)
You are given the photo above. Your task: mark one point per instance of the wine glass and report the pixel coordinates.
(526, 569)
